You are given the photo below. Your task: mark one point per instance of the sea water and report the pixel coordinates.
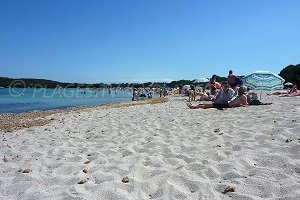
(17, 100)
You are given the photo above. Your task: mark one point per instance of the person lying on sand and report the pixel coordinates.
(278, 93)
(292, 93)
(236, 101)
(286, 93)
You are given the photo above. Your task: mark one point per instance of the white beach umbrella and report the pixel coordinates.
(186, 87)
(288, 84)
(201, 80)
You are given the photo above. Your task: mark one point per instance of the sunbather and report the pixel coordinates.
(287, 93)
(294, 89)
(292, 93)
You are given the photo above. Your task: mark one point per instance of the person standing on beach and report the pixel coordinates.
(231, 79)
(193, 93)
(135, 95)
(163, 91)
(180, 89)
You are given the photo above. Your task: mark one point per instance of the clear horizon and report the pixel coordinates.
(141, 41)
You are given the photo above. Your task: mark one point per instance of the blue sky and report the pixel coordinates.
(146, 40)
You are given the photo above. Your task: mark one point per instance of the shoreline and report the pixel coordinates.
(14, 121)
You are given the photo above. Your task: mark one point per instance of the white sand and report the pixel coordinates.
(167, 151)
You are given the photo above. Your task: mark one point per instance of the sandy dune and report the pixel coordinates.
(166, 150)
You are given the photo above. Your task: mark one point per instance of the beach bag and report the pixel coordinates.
(258, 103)
(238, 81)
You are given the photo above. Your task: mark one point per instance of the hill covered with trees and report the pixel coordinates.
(43, 83)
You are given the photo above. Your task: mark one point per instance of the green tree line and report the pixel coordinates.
(290, 73)
(43, 83)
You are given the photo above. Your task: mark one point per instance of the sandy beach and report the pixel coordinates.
(155, 151)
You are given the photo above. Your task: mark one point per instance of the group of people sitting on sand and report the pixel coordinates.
(227, 97)
(233, 82)
(228, 94)
(232, 93)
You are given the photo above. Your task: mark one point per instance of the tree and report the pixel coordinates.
(291, 74)
(175, 84)
(221, 79)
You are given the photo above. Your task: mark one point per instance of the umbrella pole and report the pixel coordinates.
(260, 95)
(261, 90)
